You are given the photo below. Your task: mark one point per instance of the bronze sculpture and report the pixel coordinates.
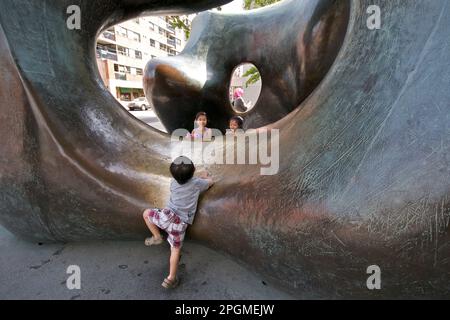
(364, 166)
(293, 56)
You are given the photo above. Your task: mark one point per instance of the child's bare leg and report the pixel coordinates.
(153, 228)
(174, 259)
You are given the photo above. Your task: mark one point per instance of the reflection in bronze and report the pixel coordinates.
(364, 160)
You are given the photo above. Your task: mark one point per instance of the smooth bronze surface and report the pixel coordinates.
(292, 57)
(364, 173)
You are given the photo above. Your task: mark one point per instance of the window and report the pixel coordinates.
(129, 52)
(121, 31)
(162, 47)
(134, 36)
(120, 76)
(107, 48)
(161, 30)
(178, 42)
(121, 68)
(138, 54)
(123, 51)
(152, 42)
(151, 25)
(125, 69)
(128, 34)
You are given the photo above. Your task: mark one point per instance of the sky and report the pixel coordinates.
(234, 6)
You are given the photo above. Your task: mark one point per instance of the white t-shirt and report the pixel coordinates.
(184, 197)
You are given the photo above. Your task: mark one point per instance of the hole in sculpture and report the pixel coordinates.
(123, 51)
(245, 87)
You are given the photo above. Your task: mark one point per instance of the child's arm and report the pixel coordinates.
(210, 182)
(204, 175)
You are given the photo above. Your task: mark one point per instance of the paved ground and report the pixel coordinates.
(122, 270)
(150, 118)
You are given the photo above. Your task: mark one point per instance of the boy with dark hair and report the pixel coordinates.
(179, 212)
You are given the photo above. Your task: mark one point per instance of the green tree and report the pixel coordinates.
(253, 4)
(180, 22)
(253, 75)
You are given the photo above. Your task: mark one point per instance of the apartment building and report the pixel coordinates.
(124, 49)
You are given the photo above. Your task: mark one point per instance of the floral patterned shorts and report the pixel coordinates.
(168, 221)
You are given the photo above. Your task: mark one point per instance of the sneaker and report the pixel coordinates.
(170, 284)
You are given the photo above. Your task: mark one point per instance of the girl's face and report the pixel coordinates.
(234, 125)
(201, 121)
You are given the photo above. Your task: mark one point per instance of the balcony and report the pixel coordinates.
(170, 28)
(102, 54)
(128, 77)
(171, 42)
(120, 76)
(109, 35)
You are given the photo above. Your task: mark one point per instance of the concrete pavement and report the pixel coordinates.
(150, 118)
(123, 270)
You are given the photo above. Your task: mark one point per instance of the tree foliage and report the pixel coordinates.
(178, 22)
(253, 4)
(253, 75)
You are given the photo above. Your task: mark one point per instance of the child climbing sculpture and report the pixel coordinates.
(179, 212)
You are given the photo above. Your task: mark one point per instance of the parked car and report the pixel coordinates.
(138, 104)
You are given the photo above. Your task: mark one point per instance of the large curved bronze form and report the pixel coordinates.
(364, 160)
(292, 58)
